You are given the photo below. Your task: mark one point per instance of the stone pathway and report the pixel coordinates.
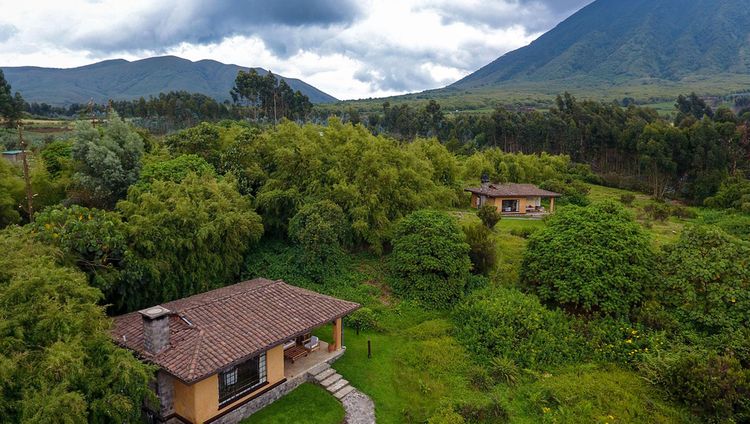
(358, 406)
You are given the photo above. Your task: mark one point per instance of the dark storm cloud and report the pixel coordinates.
(194, 21)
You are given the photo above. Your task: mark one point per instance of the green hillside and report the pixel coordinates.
(649, 50)
(122, 80)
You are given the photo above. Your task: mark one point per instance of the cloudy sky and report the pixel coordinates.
(348, 48)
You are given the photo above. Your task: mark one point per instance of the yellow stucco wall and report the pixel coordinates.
(199, 402)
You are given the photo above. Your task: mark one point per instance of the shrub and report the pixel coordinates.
(504, 370)
(480, 378)
(574, 192)
(714, 385)
(489, 215)
(483, 410)
(507, 323)
(705, 280)
(617, 340)
(658, 211)
(430, 260)
(482, 250)
(446, 415)
(524, 232)
(733, 194)
(175, 170)
(362, 319)
(682, 212)
(594, 258)
(627, 199)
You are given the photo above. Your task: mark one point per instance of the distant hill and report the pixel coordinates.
(123, 80)
(643, 48)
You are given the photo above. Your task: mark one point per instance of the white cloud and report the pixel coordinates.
(378, 48)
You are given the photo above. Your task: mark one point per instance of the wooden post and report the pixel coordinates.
(551, 205)
(369, 349)
(337, 334)
(26, 176)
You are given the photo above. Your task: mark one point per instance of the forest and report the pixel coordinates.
(630, 304)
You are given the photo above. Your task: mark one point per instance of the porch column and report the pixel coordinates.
(551, 205)
(337, 334)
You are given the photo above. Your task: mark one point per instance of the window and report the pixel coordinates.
(242, 379)
(510, 205)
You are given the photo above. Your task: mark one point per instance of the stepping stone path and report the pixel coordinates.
(358, 406)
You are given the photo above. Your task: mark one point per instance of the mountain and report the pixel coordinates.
(631, 46)
(123, 80)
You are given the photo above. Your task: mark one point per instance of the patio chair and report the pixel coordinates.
(313, 344)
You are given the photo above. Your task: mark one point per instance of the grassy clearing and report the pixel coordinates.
(308, 403)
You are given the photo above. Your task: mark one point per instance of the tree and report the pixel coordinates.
(11, 194)
(587, 259)
(482, 249)
(189, 237)
(175, 170)
(11, 106)
(57, 360)
(92, 239)
(430, 261)
(108, 160)
(203, 140)
(320, 228)
(489, 215)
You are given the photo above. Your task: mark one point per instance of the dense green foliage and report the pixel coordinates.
(593, 258)
(57, 360)
(94, 239)
(507, 323)
(11, 106)
(489, 215)
(192, 236)
(482, 250)
(108, 161)
(430, 259)
(705, 281)
(268, 97)
(11, 193)
(175, 170)
(320, 229)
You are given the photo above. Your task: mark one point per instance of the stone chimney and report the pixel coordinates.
(155, 328)
(485, 180)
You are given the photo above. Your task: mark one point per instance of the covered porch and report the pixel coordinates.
(307, 351)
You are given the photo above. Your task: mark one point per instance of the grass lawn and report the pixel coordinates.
(308, 403)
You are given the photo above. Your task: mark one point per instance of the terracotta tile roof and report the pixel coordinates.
(216, 329)
(512, 190)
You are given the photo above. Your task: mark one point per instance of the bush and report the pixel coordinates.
(362, 319)
(705, 280)
(627, 199)
(716, 386)
(658, 211)
(483, 410)
(574, 192)
(482, 249)
(524, 232)
(504, 370)
(733, 194)
(507, 323)
(489, 215)
(594, 258)
(682, 212)
(430, 260)
(446, 415)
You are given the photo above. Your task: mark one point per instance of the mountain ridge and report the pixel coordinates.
(619, 41)
(120, 79)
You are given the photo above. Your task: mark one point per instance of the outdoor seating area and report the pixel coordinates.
(303, 364)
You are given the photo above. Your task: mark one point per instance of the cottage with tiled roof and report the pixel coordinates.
(224, 354)
(513, 199)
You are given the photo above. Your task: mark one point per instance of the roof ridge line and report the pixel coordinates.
(194, 359)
